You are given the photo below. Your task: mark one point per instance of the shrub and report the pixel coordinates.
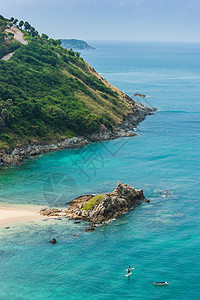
(92, 202)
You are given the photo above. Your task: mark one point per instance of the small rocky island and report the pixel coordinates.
(102, 208)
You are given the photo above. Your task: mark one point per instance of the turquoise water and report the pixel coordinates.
(161, 239)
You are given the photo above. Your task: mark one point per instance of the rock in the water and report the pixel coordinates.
(115, 204)
(53, 241)
(102, 209)
(91, 228)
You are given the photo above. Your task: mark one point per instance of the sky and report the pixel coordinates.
(130, 20)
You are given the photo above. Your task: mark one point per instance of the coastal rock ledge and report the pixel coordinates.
(102, 208)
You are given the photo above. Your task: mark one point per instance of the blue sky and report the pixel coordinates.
(135, 20)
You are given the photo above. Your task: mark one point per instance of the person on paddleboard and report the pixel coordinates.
(129, 269)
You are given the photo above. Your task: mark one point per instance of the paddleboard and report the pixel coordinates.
(130, 269)
(128, 274)
(161, 283)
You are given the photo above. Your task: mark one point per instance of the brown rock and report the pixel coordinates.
(50, 212)
(53, 241)
(89, 229)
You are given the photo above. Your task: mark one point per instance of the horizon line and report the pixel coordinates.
(154, 41)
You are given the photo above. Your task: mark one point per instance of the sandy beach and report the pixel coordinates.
(12, 214)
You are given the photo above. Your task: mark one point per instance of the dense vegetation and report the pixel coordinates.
(75, 44)
(48, 92)
(7, 42)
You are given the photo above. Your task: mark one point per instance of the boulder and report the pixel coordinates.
(53, 241)
(114, 204)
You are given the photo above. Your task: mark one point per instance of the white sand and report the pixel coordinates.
(12, 214)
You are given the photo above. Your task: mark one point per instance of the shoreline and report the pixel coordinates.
(12, 214)
(17, 155)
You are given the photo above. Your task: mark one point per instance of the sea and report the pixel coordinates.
(161, 240)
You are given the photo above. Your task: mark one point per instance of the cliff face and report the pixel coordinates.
(102, 208)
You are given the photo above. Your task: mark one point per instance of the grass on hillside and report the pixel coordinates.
(92, 202)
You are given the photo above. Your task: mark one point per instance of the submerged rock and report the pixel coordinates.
(89, 229)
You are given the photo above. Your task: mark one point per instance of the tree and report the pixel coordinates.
(44, 36)
(10, 36)
(55, 42)
(9, 103)
(5, 108)
(11, 19)
(3, 24)
(58, 42)
(71, 52)
(33, 32)
(27, 26)
(77, 54)
(21, 23)
(15, 22)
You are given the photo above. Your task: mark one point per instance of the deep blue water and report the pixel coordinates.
(161, 239)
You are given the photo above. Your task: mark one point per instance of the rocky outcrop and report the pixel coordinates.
(115, 204)
(17, 155)
(110, 206)
(105, 134)
(140, 111)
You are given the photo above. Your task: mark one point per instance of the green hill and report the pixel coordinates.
(48, 93)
